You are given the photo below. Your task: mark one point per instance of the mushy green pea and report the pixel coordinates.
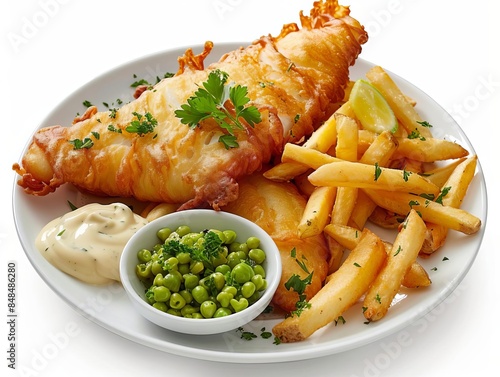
(207, 274)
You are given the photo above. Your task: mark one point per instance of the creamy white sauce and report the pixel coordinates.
(87, 243)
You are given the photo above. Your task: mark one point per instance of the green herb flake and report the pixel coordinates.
(378, 171)
(413, 203)
(398, 250)
(406, 175)
(143, 124)
(82, 144)
(427, 196)
(442, 194)
(415, 134)
(340, 320)
(425, 124)
(138, 83)
(112, 128)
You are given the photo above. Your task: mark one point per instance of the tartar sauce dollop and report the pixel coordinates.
(87, 243)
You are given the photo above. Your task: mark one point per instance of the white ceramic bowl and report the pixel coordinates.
(198, 220)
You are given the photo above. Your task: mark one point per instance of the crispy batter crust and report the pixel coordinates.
(292, 79)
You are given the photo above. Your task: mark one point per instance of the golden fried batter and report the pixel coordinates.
(291, 79)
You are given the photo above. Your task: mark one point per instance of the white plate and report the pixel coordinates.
(110, 308)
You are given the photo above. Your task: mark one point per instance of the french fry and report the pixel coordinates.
(456, 187)
(344, 205)
(386, 219)
(430, 150)
(336, 254)
(347, 138)
(404, 110)
(155, 210)
(403, 254)
(365, 139)
(440, 175)
(285, 171)
(450, 217)
(345, 235)
(354, 174)
(303, 184)
(362, 210)
(324, 137)
(380, 150)
(344, 288)
(305, 156)
(416, 277)
(435, 238)
(349, 237)
(317, 212)
(459, 181)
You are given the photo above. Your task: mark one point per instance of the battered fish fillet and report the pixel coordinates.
(277, 207)
(292, 79)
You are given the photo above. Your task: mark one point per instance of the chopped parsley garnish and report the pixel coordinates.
(425, 124)
(143, 124)
(406, 175)
(213, 100)
(415, 134)
(340, 320)
(112, 128)
(145, 82)
(87, 103)
(72, 206)
(413, 203)
(378, 171)
(82, 144)
(442, 194)
(398, 250)
(86, 143)
(141, 82)
(427, 196)
(211, 249)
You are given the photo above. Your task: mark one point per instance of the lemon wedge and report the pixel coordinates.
(371, 108)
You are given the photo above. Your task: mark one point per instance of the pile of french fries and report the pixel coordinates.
(407, 180)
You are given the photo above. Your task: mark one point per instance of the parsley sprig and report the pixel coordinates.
(143, 124)
(213, 100)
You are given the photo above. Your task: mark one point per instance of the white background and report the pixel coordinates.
(446, 48)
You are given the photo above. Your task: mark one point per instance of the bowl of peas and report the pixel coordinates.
(200, 271)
